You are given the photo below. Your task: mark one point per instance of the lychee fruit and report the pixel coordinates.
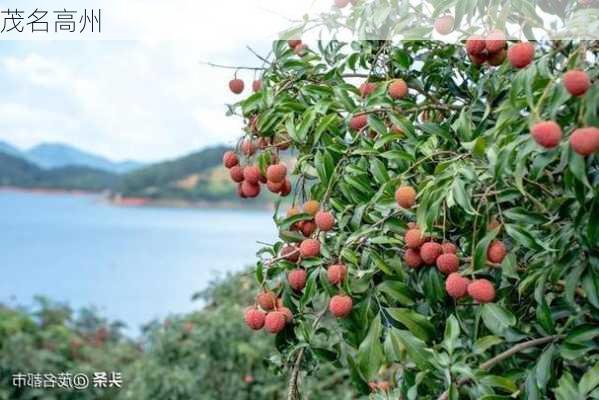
(250, 190)
(293, 43)
(308, 228)
(266, 300)
(240, 192)
(340, 305)
(482, 291)
(412, 258)
(311, 207)
(236, 85)
(275, 322)
(248, 147)
(449, 248)
(547, 134)
(310, 248)
(405, 196)
(429, 252)
(286, 188)
(291, 211)
(495, 41)
(287, 312)
(585, 141)
(478, 59)
(496, 251)
(341, 3)
(290, 252)
(274, 187)
(236, 173)
(276, 173)
(576, 82)
(475, 45)
(456, 285)
(324, 220)
(367, 88)
(230, 159)
(297, 279)
(257, 85)
(251, 174)
(448, 263)
(358, 122)
(498, 58)
(521, 54)
(413, 238)
(398, 89)
(444, 24)
(254, 318)
(336, 273)
(300, 49)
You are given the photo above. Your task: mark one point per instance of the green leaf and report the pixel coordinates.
(589, 381)
(418, 324)
(497, 318)
(485, 343)
(416, 349)
(480, 253)
(566, 389)
(543, 368)
(370, 353)
(452, 332)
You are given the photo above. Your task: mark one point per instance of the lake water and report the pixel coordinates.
(133, 264)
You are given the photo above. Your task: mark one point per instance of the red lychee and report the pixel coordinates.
(236, 173)
(498, 58)
(300, 49)
(367, 88)
(448, 263)
(337, 273)
(478, 59)
(444, 24)
(297, 279)
(266, 300)
(413, 238)
(475, 45)
(286, 188)
(496, 251)
(248, 147)
(495, 41)
(412, 258)
(585, 141)
(257, 85)
(311, 207)
(308, 228)
(310, 248)
(576, 82)
(405, 196)
(521, 54)
(449, 248)
(250, 190)
(240, 192)
(236, 85)
(251, 174)
(293, 43)
(275, 322)
(276, 173)
(341, 3)
(274, 187)
(324, 220)
(547, 134)
(358, 122)
(290, 252)
(429, 252)
(254, 318)
(287, 312)
(456, 285)
(340, 305)
(482, 291)
(230, 159)
(398, 89)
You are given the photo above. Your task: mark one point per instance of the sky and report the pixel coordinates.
(139, 90)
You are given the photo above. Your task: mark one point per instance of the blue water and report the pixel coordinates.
(133, 264)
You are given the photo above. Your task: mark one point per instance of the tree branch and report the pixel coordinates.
(233, 66)
(293, 392)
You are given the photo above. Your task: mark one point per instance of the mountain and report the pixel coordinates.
(9, 149)
(53, 155)
(15, 171)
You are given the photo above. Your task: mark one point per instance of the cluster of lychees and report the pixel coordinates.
(396, 89)
(421, 250)
(268, 313)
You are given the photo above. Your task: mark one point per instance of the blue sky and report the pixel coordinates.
(145, 95)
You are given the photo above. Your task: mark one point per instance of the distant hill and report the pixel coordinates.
(15, 171)
(54, 155)
(9, 149)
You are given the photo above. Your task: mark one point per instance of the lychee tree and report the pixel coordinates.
(442, 236)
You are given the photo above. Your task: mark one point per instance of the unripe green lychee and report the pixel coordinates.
(456, 285)
(413, 238)
(547, 134)
(448, 263)
(310, 248)
(429, 252)
(340, 305)
(266, 300)
(496, 251)
(275, 322)
(336, 273)
(521, 54)
(481, 291)
(576, 82)
(297, 279)
(412, 258)
(398, 89)
(405, 196)
(230, 159)
(324, 220)
(585, 141)
(254, 318)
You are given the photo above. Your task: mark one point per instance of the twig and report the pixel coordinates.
(293, 392)
(233, 66)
